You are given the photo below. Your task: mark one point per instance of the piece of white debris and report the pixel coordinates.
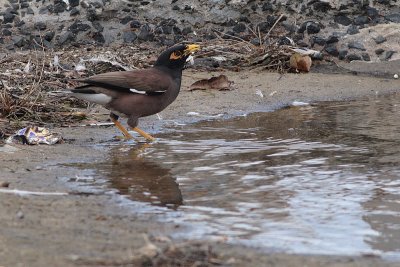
(27, 68)
(56, 61)
(197, 114)
(219, 58)
(259, 93)
(80, 66)
(272, 93)
(396, 76)
(190, 59)
(299, 103)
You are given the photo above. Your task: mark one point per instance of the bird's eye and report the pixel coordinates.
(176, 55)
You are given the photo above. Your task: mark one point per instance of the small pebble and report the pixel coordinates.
(396, 76)
(20, 215)
(4, 184)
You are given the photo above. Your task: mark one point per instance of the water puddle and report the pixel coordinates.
(313, 179)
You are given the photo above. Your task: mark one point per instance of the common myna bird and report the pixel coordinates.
(138, 93)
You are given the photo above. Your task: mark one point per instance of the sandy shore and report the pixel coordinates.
(93, 229)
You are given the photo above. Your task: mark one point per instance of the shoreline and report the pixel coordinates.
(92, 228)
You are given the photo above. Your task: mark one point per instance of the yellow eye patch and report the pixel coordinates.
(176, 55)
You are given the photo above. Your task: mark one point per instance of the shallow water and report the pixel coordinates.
(315, 179)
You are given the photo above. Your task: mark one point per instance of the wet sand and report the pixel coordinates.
(92, 228)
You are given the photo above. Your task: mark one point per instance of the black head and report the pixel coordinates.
(175, 57)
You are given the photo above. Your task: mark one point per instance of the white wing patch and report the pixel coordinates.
(137, 91)
(144, 92)
(101, 99)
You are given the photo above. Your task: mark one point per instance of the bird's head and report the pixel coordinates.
(175, 57)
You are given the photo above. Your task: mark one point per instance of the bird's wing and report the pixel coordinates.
(148, 82)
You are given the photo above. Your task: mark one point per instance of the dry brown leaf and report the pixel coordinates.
(216, 83)
(300, 62)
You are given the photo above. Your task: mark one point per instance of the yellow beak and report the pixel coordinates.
(192, 48)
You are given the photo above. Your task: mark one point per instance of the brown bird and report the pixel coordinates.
(138, 93)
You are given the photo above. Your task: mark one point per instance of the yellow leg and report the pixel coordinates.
(144, 134)
(122, 129)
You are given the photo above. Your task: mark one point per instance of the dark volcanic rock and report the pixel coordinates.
(166, 29)
(129, 37)
(395, 17)
(228, 34)
(135, 24)
(352, 57)
(332, 39)
(317, 40)
(284, 41)
(59, 6)
(91, 15)
(176, 30)
(146, 33)
(322, 6)
(74, 12)
(361, 20)
(166, 41)
(387, 55)
(244, 19)
(331, 49)
(255, 41)
(66, 37)
(47, 44)
(97, 26)
(73, 3)
(352, 29)
(49, 35)
(379, 39)
(240, 27)
(263, 26)
(379, 51)
(290, 27)
(298, 37)
(30, 11)
(356, 45)
(365, 56)
(99, 38)
(372, 12)
(78, 26)
(266, 25)
(97, 4)
(126, 19)
(342, 54)
(85, 4)
(187, 30)
(41, 42)
(8, 17)
(45, 9)
(313, 27)
(342, 19)
(19, 41)
(41, 26)
(267, 7)
(6, 32)
(19, 24)
(310, 26)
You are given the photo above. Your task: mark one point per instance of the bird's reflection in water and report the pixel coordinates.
(141, 178)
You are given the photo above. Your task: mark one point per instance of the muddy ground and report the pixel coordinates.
(92, 228)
